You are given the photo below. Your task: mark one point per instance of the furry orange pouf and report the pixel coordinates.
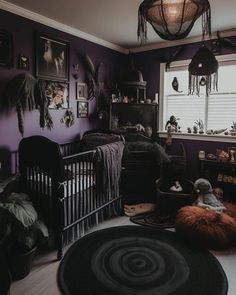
(206, 228)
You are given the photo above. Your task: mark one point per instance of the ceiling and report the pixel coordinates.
(115, 21)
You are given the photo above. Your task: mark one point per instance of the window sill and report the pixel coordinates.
(202, 137)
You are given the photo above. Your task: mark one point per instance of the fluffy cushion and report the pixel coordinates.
(206, 228)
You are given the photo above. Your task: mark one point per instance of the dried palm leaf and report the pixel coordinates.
(25, 93)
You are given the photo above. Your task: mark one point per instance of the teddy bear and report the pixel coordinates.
(205, 196)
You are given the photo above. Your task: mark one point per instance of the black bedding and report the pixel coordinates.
(92, 140)
(151, 147)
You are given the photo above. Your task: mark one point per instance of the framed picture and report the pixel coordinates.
(52, 58)
(23, 62)
(57, 94)
(6, 49)
(81, 90)
(82, 109)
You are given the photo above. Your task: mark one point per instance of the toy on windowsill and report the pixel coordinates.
(205, 196)
(172, 124)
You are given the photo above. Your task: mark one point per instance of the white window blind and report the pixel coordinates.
(218, 111)
(187, 108)
(221, 111)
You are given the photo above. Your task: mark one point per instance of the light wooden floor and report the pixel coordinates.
(42, 278)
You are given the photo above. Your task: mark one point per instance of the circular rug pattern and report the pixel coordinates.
(128, 260)
(151, 219)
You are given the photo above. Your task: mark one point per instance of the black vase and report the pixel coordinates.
(20, 263)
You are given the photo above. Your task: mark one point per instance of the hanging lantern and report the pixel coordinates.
(172, 19)
(203, 71)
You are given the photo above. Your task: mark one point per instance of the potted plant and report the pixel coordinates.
(195, 129)
(20, 233)
(200, 125)
(233, 128)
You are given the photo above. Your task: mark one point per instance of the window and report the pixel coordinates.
(218, 111)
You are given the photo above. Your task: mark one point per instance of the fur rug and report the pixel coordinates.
(206, 228)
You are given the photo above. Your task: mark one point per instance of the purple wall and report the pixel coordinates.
(114, 64)
(149, 64)
(23, 32)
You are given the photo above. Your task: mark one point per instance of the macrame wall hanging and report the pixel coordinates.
(172, 19)
(203, 71)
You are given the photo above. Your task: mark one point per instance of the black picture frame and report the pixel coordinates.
(81, 91)
(6, 49)
(52, 58)
(23, 62)
(57, 93)
(82, 109)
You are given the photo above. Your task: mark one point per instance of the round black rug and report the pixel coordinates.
(153, 220)
(133, 260)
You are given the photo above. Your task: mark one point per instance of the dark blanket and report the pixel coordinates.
(153, 147)
(93, 140)
(110, 156)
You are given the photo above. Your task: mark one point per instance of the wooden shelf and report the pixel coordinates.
(211, 169)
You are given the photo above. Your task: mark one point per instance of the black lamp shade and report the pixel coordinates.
(203, 63)
(203, 71)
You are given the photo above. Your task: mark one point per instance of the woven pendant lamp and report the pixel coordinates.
(172, 19)
(203, 71)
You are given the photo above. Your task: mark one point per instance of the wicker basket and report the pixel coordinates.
(170, 202)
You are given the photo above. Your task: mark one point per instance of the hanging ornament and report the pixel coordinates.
(202, 81)
(203, 66)
(175, 85)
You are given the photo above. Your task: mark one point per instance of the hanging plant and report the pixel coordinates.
(68, 119)
(25, 93)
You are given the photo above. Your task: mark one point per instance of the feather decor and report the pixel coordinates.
(92, 76)
(45, 119)
(25, 93)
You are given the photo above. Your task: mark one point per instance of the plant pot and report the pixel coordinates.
(20, 262)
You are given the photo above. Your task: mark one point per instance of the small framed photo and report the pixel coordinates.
(52, 58)
(57, 94)
(81, 91)
(82, 109)
(23, 62)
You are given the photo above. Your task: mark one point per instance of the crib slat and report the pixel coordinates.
(67, 190)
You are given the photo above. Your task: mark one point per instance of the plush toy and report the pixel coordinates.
(206, 198)
(176, 187)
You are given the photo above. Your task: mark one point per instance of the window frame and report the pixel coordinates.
(181, 65)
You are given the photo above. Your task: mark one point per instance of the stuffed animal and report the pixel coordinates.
(205, 196)
(176, 187)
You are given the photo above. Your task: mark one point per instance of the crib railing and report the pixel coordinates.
(66, 190)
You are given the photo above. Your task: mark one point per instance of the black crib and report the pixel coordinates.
(65, 188)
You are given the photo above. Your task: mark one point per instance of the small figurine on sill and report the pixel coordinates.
(176, 187)
(172, 124)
